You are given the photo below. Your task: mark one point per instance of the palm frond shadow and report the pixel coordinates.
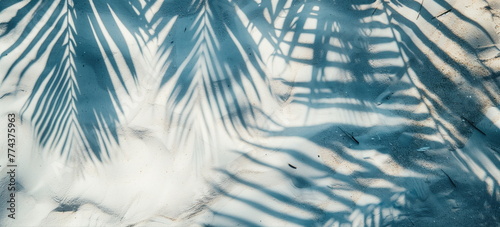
(214, 70)
(409, 82)
(74, 105)
(211, 68)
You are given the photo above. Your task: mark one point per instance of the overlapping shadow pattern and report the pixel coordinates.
(209, 55)
(409, 67)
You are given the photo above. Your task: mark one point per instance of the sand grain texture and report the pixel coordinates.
(251, 113)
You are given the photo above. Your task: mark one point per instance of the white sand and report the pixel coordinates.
(357, 113)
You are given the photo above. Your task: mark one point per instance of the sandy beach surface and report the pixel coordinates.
(250, 113)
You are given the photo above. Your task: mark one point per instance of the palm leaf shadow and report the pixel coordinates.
(211, 60)
(74, 105)
(321, 90)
